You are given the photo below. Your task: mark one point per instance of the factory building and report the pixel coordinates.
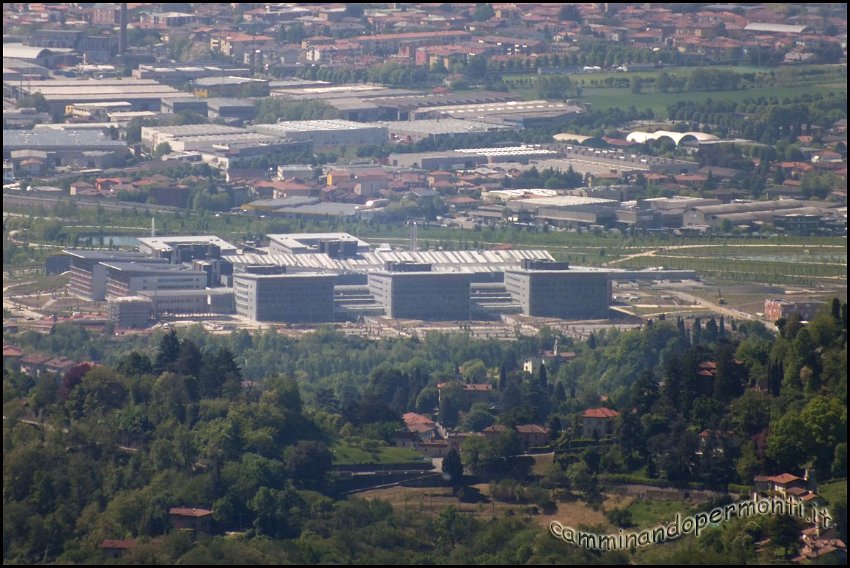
(412, 290)
(74, 147)
(142, 94)
(327, 133)
(552, 289)
(306, 297)
(152, 136)
(230, 87)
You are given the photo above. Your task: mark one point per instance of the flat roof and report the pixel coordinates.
(103, 255)
(218, 102)
(519, 193)
(45, 138)
(442, 126)
(194, 129)
(513, 107)
(775, 28)
(99, 88)
(229, 80)
(316, 125)
(168, 243)
(564, 201)
(440, 261)
(287, 275)
(296, 240)
(427, 273)
(150, 268)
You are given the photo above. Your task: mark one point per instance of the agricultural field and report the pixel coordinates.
(603, 99)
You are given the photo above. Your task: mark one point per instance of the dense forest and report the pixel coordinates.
(245, 425)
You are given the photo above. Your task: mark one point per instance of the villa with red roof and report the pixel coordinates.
(421, 426)
(598, 422)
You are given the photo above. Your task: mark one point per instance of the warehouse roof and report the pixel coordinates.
(442, 126)
(453, 261)
(44, 139)
(775, 28)
(99, 88)
(563, 201)
(315, 126)
(216, 81)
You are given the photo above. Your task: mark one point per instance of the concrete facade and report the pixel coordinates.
(290, 298)
(565, 294)
(422, 295)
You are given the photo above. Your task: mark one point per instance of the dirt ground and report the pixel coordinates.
(432, 500)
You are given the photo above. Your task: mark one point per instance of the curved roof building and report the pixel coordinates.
(676, 137)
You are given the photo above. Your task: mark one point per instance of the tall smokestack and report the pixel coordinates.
(122, 36)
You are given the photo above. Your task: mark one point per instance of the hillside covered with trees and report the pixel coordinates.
(245, 426)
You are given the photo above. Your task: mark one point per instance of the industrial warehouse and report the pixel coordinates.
(335, 277)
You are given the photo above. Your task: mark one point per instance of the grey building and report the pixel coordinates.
(87, 274)
(130, 311)
(290, 298)
(554, 290)
(237, 109)
(422, 294)
(80, 147)
(309, 243)
(128, 278)
(184, 104)
(166, 247)
(327, 133)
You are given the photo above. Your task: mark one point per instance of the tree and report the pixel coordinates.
(134, 365)
(580, 477)
(543, 376)
(168, 351)
(308, 462)
(569, 13)
(453, 468)
(788, 444)
(637, 85)
(162, 149)
(663, 83)
(553, 88)
(784, 531)
(483, 12)
(72, 378)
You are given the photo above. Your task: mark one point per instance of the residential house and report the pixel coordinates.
(198, 520)
(598, 422)
(116, 548)
(530, 435)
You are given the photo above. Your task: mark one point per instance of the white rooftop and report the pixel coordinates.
(315, 125)
(565, 201)
(167, 243)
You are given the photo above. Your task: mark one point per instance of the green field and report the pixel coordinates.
(349, 454)
(826, 79)
(603, 99)
(834, 491)
(647, 514)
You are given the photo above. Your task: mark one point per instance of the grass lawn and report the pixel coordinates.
(603, 99)
(39, 283)
(834, 491)
(346, 454)
(652, 513)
